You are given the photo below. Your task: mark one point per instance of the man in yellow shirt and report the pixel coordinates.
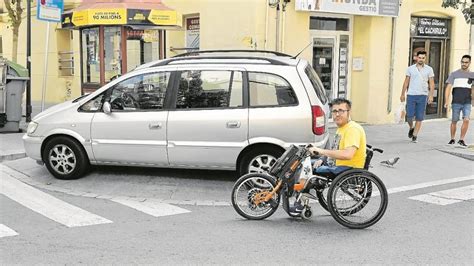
(349, 147)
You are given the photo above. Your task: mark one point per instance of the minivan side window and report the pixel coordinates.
(139, 93)
(204, 89)
(270, 90)
(93, 105)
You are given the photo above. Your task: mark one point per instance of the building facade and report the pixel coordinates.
(360, 48)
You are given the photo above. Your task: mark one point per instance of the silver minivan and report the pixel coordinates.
(227, 109)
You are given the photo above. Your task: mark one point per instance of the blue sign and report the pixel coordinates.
(50, 10)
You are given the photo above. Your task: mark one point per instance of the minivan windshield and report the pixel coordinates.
(317, 86)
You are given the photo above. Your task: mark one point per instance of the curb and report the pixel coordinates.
(12, 156)
(465, 155)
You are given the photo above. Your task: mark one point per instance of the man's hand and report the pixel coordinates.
(317, 163)
(315, 150)
(446, 105)
(402, 98)
(430, 99)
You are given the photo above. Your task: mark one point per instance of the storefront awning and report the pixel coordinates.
(121, 12)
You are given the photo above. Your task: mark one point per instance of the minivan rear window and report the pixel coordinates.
(317, 86)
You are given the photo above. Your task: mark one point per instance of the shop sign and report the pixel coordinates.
(50, 10)
(165, 17)
(431, 27)
(192, 32)
(121, 16)
(388, 8)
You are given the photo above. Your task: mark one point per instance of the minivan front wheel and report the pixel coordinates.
(259, 160)
(65, 158)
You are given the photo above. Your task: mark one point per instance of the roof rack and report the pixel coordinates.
(195, 53)
(177, 59)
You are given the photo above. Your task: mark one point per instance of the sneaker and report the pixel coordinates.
(462, 143)
(414, 139)
(410, 132)
(451, 142)
(297, 207)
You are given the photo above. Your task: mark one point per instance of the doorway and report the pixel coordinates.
(331, 53)
(436, 50)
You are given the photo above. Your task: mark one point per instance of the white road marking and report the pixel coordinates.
(151, 207)
(430, 184)
(47, 205)
(446, 197)
(6, 231)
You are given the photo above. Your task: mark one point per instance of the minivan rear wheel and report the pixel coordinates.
(259, 160)
(65, 158)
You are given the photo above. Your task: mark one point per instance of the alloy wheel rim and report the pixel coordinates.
(262, 163)
(62, 159)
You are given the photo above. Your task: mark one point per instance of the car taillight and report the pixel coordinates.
(319, 120)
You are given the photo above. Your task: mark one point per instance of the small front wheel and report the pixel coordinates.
(248, 196)
(357, 199)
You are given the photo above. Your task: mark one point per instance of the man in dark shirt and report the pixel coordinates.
(461, 83)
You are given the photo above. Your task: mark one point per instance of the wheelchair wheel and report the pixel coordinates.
(322, 198)
(247, 195)
(357, 199)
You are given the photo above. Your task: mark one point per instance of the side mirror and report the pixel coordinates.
(107, 108)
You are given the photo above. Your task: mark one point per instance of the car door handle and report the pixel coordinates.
(233, 124)
(154, 126)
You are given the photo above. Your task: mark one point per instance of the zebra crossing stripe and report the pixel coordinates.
(152, 207)
(446, 197)
(47, 205)
(6, 231)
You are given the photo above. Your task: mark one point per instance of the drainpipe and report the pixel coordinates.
(392, 62)
(277, 27)
(266, 27)
(282, 39)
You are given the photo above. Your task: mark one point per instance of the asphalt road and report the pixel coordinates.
(412, 231)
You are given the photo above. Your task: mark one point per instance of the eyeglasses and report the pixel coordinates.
(339, 111)
(465, 62)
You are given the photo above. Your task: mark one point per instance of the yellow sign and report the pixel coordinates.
(115, 16)
(107, 16)
(165, 17)
(79, 18)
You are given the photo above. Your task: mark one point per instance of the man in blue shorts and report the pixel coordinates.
(418, 78)
(461, 83)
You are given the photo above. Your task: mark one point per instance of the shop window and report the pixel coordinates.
(140, 93)
(332, 24)
(90, 55)
(209, 89)
(112, 52)
(65, 53)
(270, 90)
(142, 47)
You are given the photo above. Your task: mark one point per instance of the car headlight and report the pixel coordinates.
(31, 128)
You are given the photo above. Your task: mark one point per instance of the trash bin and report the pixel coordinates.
(13, 78)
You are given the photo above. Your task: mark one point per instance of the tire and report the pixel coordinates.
(65, 158)
(365, 194)
(244, 192)
(259, 160)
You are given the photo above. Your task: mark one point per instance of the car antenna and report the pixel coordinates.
(294, 57)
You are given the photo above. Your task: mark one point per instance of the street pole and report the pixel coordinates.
(46, 55)
(28, 60)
